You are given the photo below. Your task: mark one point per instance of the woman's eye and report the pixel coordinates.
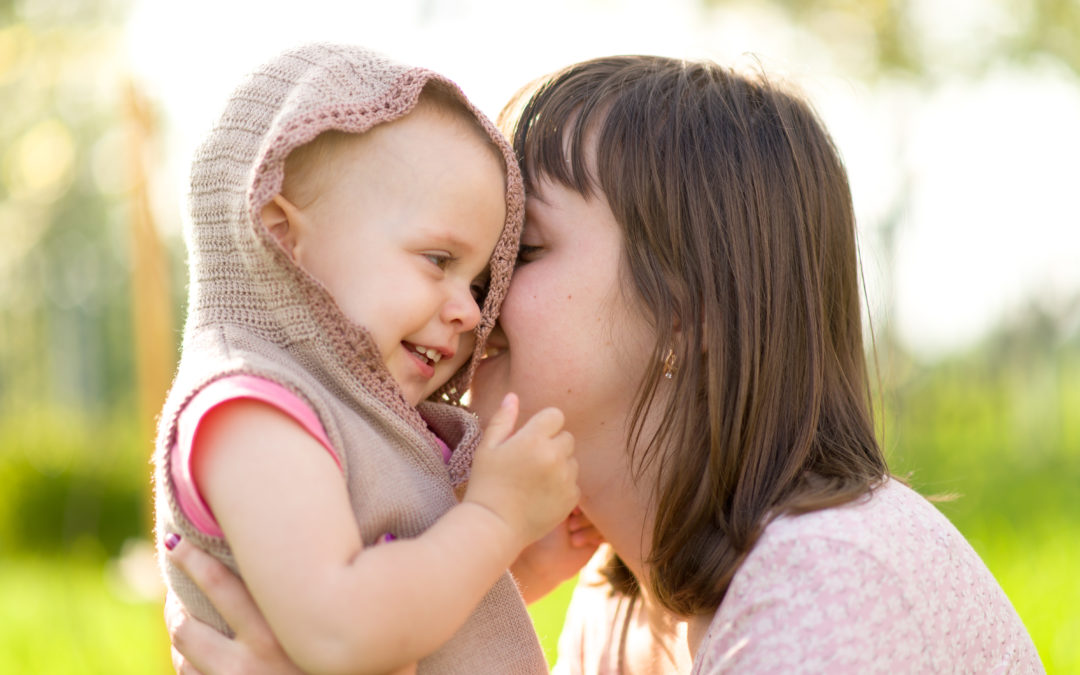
(440, 260)
(479, 289)
(527, 253)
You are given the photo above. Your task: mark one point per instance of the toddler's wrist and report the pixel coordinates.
(503, 533)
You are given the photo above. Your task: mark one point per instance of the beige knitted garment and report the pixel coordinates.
(253, 311)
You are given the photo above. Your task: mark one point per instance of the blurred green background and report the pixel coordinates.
(91, 301)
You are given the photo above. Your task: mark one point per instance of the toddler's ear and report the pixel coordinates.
(277, 217)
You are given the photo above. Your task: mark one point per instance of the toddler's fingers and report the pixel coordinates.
(565, 441)
(222, 588)
(548, 422)
(502, 422)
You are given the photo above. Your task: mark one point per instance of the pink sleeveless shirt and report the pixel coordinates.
(230, 389)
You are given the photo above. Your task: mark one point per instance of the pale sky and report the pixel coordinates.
(990, 166)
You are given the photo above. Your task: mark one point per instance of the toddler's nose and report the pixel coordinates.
(461, 309)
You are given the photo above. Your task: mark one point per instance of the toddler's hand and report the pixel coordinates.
(528, 479)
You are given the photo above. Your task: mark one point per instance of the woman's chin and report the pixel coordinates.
(485, 395)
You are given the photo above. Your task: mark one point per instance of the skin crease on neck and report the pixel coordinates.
(570, 335)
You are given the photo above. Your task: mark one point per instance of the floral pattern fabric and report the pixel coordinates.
(883, 585)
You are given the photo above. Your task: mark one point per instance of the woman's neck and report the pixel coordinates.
(615, 503)
(620, 507)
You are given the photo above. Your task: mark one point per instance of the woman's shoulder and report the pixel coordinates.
(892, 543)
(883, 523)
(884, 581)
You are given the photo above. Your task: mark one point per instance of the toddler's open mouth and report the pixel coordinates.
(428, 355)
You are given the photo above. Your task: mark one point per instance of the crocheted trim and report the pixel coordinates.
(249, 280)
(352, 343)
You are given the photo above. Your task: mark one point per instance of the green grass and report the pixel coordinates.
(548, 614)
(62, 615)
(1003, 435)
(1021, 524)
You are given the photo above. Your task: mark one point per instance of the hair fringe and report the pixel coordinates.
(738, 227)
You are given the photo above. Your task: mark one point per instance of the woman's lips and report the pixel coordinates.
(496, 345)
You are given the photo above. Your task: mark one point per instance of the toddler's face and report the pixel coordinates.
(401, 233)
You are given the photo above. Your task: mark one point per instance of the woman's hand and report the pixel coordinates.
(198, 649)
(556, 557)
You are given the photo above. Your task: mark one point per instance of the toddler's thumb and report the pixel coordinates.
(502, 422)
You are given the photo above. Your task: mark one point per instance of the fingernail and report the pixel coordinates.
(172, 540)
(387, 538)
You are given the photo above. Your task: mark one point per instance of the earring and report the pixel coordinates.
(669, 364)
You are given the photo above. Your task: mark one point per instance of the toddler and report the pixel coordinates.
(354, 224)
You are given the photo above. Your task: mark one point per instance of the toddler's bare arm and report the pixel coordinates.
(336, 606)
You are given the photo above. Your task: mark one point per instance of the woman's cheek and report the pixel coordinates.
(535, 329)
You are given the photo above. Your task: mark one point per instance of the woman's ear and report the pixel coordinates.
(279, 216)
(676, 331)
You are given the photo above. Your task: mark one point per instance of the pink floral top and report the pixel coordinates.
(882, 585)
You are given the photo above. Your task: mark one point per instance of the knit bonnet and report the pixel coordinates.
(239, 275)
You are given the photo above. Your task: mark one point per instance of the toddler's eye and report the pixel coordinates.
(438, 259)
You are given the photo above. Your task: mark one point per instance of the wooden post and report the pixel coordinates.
(152, 311)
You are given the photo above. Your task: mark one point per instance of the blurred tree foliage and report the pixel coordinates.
(63, 299)
(999, 424)
(70, 455)
(898, 36)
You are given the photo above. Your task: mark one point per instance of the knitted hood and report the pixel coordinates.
(239, 275)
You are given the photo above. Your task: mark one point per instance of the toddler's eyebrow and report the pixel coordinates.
(451, 240)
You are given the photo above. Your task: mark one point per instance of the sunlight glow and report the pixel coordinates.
(988, 219)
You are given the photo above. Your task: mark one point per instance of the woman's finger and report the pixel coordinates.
(181, 665)
(196, 647)
(223, 589)
(589, 537)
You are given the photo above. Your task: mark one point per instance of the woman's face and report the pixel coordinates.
(569, 335)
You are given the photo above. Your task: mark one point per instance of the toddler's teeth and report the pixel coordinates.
(436, 357)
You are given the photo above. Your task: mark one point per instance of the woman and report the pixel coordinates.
(687, 293)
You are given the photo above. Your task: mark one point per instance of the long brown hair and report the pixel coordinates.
(739, 242)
